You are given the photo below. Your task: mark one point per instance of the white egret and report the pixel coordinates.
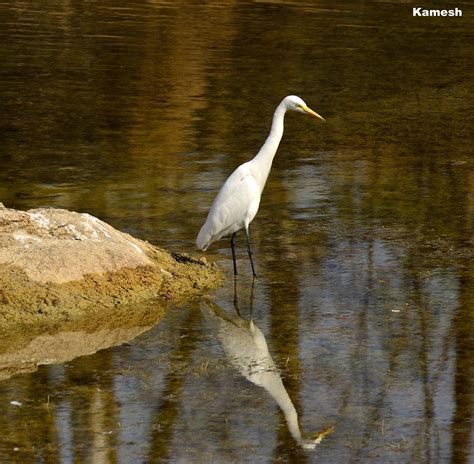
(237, 202)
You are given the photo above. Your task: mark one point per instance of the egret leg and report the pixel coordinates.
(250, 252)
(232, 245)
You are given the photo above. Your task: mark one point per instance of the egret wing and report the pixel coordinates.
(233, 205)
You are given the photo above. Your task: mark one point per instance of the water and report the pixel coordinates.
(137, 112)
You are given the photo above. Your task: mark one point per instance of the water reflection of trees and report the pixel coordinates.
(118, 111)
(385, 378)
(461, 427)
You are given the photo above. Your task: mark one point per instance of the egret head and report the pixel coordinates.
(295, 103)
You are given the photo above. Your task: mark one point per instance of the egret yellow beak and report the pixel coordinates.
(313, 113)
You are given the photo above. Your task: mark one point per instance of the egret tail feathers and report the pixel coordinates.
(203, 239)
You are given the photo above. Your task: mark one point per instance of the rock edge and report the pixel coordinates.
(58, 264)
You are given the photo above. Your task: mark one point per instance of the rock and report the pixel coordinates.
(54, 245)
(55, 263)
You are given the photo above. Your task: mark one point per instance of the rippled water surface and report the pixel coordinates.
(359, 329)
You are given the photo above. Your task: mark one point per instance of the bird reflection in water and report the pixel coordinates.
(246, 348)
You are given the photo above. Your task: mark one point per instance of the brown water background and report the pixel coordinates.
(136, 112)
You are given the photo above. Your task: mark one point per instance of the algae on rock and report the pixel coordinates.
(56, 264)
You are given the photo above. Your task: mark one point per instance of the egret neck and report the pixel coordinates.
(262, 162)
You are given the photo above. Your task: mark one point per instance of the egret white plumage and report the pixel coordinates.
(238, 200)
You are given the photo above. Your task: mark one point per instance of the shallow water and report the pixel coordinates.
(363, 312)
